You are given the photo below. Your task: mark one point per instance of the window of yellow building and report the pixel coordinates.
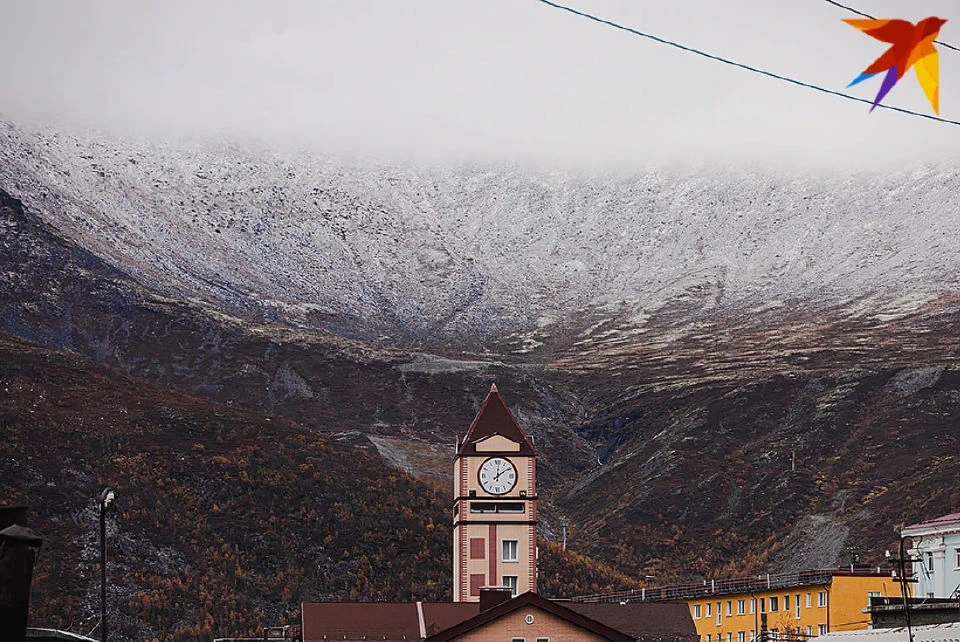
(696, 612)
(741, 608)
(809, 601)
(753, 605)
(821, 598)
(729, 608)
(773, 603)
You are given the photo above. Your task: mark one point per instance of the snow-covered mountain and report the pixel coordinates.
(466, 253)
(748, 354)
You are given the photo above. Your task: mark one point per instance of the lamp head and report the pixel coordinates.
(106, 497)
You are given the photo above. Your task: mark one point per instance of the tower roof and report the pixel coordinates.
(495, 418)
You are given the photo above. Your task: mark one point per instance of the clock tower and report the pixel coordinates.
(495, 505)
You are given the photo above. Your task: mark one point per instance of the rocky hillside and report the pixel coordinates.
(502, 259)
(225, 519)
(723, 374)
(59, 294)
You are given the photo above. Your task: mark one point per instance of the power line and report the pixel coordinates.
(867, 15)
(755, 70)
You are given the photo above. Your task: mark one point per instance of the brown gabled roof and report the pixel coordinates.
(649, 621)
(534, 600)
(391, 621)
(495, 418)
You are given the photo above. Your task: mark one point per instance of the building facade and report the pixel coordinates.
(936, 551)
(495, 505)
(496, 618)
(791, 605)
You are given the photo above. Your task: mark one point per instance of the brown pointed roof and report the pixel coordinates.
(534, 600)
(495, 418)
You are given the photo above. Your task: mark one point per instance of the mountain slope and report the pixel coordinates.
(225, 519)
(475, 256)
(724, 374)
(57, 293)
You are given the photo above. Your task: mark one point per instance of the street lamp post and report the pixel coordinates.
(106, 501)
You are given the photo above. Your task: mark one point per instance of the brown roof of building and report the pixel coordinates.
(650, 621)
(442, 621)
(495, 418)
(944, 520)
(384, 621)
(531, 600)
(440, 616)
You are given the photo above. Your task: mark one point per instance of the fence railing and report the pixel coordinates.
(764, 582)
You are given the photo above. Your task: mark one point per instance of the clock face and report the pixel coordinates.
(498, 475)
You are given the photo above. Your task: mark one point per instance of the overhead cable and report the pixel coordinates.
(740, 65)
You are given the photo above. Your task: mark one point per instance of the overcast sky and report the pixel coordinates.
(469, 80)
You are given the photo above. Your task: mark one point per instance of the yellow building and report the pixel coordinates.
(795, 605)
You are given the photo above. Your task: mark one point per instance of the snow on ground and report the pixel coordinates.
(456, 252)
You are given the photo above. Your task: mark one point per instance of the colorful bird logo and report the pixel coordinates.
(912, 46)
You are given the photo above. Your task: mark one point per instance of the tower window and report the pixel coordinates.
(477, 581)
(496, 507)
(510, 550)
(477, 548)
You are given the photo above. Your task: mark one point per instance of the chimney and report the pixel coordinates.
(491, 597)
(18, 553)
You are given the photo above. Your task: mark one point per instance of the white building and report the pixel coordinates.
(936, 551)
(932, 633)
